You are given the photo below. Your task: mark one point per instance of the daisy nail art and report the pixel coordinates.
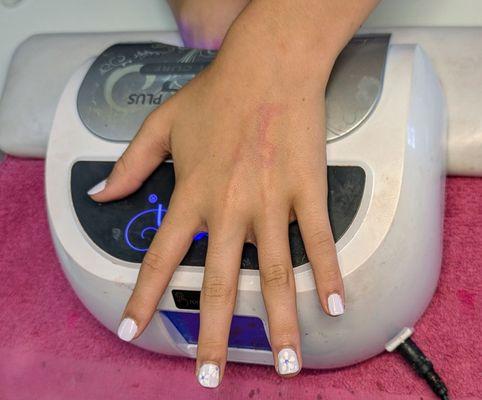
(208, 375)
(288, 362)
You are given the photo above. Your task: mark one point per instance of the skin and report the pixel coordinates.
(247, 137)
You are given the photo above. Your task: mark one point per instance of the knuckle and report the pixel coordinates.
(124, 169)
(230, 199)
(154, 261)
(275, 276)
(270, 197)
(121, 167)
(212, 346)
(223, 215)
(322, 238)
(216, 289)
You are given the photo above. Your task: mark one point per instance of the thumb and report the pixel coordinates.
(148, 149)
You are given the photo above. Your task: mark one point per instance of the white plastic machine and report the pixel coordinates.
(386, 121)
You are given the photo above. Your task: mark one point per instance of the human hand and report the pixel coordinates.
(243, 170)
(247, 137)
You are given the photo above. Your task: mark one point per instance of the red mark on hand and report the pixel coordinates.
(265, 146)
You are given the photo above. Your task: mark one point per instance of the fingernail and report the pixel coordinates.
(97, 188)
(335, 304)
(127, 329)
(288, 362)
(208, 375)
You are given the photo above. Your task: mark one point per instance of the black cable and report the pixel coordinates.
(424, 368)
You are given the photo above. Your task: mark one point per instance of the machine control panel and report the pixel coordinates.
(125, 228)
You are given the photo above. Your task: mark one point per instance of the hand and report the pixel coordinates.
(247, 137)
(247, 156)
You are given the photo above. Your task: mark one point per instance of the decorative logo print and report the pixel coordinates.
(142, 227)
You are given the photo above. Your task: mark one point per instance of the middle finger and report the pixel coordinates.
(279, 292)
(218, 298)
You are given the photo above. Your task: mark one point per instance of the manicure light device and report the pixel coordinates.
(386, 126)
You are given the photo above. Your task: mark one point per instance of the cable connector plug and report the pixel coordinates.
(418, 361)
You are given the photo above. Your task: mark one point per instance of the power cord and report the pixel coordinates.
(404, 345)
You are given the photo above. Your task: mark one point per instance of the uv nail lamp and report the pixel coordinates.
(386, 122)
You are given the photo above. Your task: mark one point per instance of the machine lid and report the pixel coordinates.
(127, 81)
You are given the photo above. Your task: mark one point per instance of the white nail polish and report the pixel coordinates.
(335, 304)
(97, 188)
(288, 362)
(208, 375)
(127, 329)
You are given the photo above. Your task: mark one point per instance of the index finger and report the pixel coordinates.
(167, 250)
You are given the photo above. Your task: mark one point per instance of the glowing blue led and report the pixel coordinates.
(152, 198)
(158, 212)
(200, 235)
(153, 219)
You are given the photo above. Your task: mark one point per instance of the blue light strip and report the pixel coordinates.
(246, 332)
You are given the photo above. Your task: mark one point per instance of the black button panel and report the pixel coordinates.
(125, 228)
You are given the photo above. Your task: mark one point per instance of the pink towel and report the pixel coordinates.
(52, 348)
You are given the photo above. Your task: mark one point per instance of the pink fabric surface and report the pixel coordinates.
(52, 348)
